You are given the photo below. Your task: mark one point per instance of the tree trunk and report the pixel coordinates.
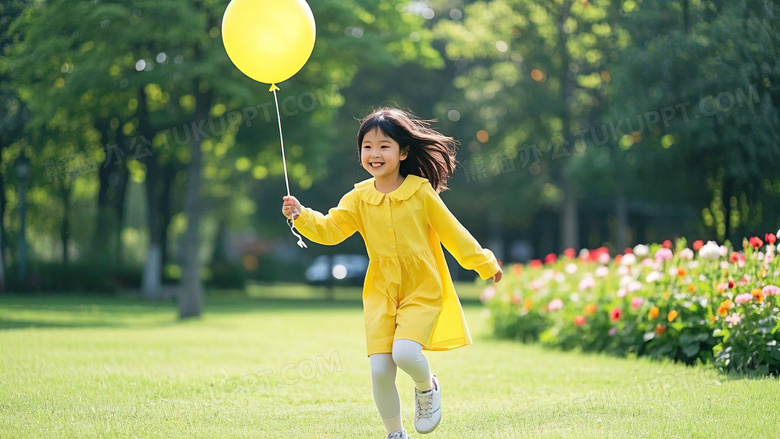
(65, 223)
(570, 236)
(621, 212)
(2, 231)
(191, 292)
(152, 275)
(168, 176)
(569, 221)
(122, 178)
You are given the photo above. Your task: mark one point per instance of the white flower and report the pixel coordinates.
(673, 271)
(574, 297)
(621, 293)
(560, 278)
(693, 264)
(643, 250)
(647, 262)
(625, 280)
(601, 271)
(634, 286)
(628, 259)
(724, 265)
(571, 268)
(653, 276)
(710, 250)
(622, 271)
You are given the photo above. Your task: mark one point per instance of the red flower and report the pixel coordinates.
(731, 283)
(698, 245)
(770, 238)
(579, 320)
(628, 251)
(667, 244)
(569, 253)
(734, 258)
(536, 263)
(550, 259)
(518, 269)
(756, 242)
(615, 314)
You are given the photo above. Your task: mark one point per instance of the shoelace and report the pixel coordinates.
(396, 435)
(425, 412)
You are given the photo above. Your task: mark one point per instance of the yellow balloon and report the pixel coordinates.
(268, 40)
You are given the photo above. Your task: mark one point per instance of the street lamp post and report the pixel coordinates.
(22, 167)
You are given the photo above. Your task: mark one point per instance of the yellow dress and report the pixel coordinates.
(408, 292)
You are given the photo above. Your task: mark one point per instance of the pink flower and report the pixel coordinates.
(604, 258)
(686, 253)
(743, 298)
(601, 271)
(733, 319)
(636, 302)
(621, 293)
(586, 283)
(536, 284)
(770, 290)
(487, 294)
(555, 305)
(663, 254)
(612, 331)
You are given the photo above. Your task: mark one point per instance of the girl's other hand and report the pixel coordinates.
(497, 277)
(291, 207)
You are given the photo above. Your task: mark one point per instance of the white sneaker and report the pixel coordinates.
(428, 408)
(400, 434)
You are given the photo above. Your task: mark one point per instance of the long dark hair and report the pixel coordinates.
(430, 155)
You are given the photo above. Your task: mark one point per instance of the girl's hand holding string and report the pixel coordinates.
(291, 207)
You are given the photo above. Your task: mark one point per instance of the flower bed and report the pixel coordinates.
(707, 304)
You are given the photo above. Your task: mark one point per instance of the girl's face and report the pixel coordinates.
(380, 155)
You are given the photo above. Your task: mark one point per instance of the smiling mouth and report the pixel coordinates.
(376, 165)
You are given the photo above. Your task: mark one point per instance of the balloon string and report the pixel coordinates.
(290, 222)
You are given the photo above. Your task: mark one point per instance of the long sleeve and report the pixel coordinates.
(339, 224)
(456, 239)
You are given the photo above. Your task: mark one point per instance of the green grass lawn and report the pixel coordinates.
(285, 363)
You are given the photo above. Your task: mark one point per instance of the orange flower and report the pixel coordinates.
(518, 269)
(653, 313)
(758, 295)
(589, 309)
(527, 304)
(725, 306)
(672, 315)
(660, 329)
(667, 294)
(691, 288)
(681, 272)
(712, 319)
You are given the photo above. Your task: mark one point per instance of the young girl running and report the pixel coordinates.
(409, 300)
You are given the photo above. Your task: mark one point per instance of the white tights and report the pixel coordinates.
(407, 355)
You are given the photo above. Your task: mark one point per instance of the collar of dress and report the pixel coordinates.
(371, 195)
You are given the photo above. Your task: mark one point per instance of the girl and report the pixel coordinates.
(409, 300)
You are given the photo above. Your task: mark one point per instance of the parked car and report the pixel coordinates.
(337, 269)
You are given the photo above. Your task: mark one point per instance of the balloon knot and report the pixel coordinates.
(273, 87)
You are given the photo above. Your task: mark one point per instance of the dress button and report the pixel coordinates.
(392, 246)
(388, 224)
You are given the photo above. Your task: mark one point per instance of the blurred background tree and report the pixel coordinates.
(582, 123)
